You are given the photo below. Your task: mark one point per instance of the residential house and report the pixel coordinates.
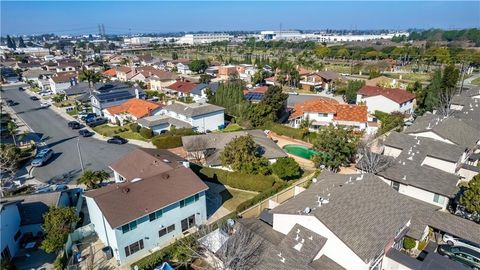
(183, 69)
(9, 75)
(61, 81)
(111, 74)
(382, 81)
(225, 72)
(468, 99)
(180, 88)
(90, 65)
(255, 95)
(131, 110)
(271, 81)
(34, 75)
(199, 93)
(325, 111)
(66, 65)
(156, 199)
(112, 94)
(322, 80)
(125, 73)
(200, 116)
(158, 79)
(386, 99)
(208, 147)
(212, 71)
(246, 72)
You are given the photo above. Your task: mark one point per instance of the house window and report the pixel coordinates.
(155, 215)
(323, 114)
(166, 230)
(17, 235)
(438, 198)
(189, 200)
(188, 223)
(130, 226)
(130, 249)
(395, 185)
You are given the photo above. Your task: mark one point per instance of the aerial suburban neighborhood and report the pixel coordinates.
(169, 135)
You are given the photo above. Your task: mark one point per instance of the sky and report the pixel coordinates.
(123, 17)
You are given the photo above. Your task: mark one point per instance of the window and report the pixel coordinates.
(155, 215)
(129, 250)
(17, 235)
(438, 199)
(130, 226)
(189, 200)
(323, 114)
(188, 223)
(166, 230)
(395, 185)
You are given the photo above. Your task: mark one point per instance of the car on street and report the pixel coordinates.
(117, 140)
(85, 133)
(21, 89)
(45, 93)
(461, 254)
(42, 157)
(11, 102)
(74, 125)
(97, 121)
(44, 105)
(87, 116)
(34, 98)
(455, 241)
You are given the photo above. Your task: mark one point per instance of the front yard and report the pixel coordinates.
(108, 130)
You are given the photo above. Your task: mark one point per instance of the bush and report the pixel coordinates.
(287, 168)
(60, 262)
(166, 142)
(252, 182)
(134, 127)
(390, 121)
(146, 133)
(409, 243)
(422, 244)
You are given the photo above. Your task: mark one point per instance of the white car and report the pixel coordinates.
(455, 241)
(45, 93)
(44, 105)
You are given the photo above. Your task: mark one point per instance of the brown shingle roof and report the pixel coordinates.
(185, 87)
(62, 77)
(398, 95)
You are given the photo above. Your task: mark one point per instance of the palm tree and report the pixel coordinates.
(89, 76)
(12, 130)
(92, 179)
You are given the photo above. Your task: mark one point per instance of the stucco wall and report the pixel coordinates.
(9, 225)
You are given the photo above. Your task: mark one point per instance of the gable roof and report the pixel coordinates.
(136, 107)
(349, 112)
(155, 120)
(343, 112)
(110, 72)
(167, 182)
(181, 86)
(33, 206)
(199, 87)
(193, 109)
(395, 94)
(63, 77)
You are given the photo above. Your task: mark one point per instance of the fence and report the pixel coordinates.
(77, 235)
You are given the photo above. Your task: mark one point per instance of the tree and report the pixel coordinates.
(243, 154)
(90, 76)
(470, 197)
(259, 114)
(12, 131)
(93, 179)
(350, 90)
(286, 168)
(205, 78)
(21, 43)
(174, 55)
(322, 51)
(58, 98)
(338, 145)
(374, 73)
(57, 224)
(9, 155)
(390, 121)
(371, 162)
(11, 43)
(198, 66)
(259, 77)
(276, 99)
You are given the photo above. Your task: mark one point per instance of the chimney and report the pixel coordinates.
(137, 94)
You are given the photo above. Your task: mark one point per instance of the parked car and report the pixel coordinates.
(34, 98)
(44, 105)
(45, 93)
(85, 133)
(11, 102)
(117, 140)
(87, 116)
(455, 241)
(462, 255)
(74, 125)
(96, 122)
(21, 89)
(42, 157)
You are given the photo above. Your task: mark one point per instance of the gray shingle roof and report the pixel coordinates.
(217, 142)
(33, 206)
(155, 120)
(198, 89)
(193, 109)
(365, 214)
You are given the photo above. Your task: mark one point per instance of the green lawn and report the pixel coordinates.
(232, 127)
(476, 82)
(109, 131)
(231, 198)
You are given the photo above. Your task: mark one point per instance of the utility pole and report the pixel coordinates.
(80, 155)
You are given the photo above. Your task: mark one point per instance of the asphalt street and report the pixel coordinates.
(52, 130)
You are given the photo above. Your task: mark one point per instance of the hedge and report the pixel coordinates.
(146, 133)
(295, 133)
(134, 127)
(252, 182)
(166, 142)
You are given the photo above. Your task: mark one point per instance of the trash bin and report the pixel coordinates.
(107, 253)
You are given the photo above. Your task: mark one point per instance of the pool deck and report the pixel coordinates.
(306, 164)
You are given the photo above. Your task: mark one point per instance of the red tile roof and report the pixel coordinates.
(184, 87)
(110, 73)
(398, 95)
(343, 112)
(260, 89)
(136, 107)
(349, 112)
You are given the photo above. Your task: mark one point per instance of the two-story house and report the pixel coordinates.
(322, 80)
(61, 81)
(156, 199)
(131, 110)
(112, 94)
(180, 88)
(386, 99)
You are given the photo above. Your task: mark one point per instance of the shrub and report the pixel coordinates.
(166, 142)
(409, 243)
(146, 133)
(60, 262)
(253, 182)
(422, 244)
(286, 168)
(134, 127)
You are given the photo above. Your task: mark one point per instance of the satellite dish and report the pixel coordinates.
(307, 210)
(314, 180)
(230, 222)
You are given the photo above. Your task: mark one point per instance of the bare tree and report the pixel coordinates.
(445, 102)
(371, 162)
(9, 155)
(198, 149)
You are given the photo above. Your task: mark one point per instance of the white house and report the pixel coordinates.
(61, 81)
(10, 232)
(199, 116)
(131, 110)
(386, 99)
(156, 199)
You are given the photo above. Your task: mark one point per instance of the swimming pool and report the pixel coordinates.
(300, 151)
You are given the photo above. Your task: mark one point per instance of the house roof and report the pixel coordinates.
(62, 77)
(180, 86)
(161, 75)
(110, 72)
(362, 210)
(167, 182)
(123, 69)
(217, 142)
(199, 87)
(259, 89)
(395, 94)
(193, 109)
(136, 107)
(328, 75)
(33, 206)
(35, 73)
(349, 112)
(155, 120)
(343, 112)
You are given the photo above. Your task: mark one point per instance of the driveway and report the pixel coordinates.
(51, 129)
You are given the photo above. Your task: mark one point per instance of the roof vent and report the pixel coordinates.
(166, 160)
(165, 176)
(307, 210)
(125, 190)
(136, 180)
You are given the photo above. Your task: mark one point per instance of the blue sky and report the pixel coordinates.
(63, 17)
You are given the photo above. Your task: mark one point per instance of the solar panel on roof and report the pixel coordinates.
(254, 96)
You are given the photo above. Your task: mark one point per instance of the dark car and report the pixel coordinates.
(461, 254)
(96, 122)
(21, 89)
(34, 98)
(87, 116)
(11, 102)
(117, 140)
(85, 133)
(74, 125)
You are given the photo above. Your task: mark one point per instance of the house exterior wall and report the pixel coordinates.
(443, 165)
(9, 224)
(209, 121)
(431, 135)
(379, 103)
(392, 151)
(159, 128)
(101, 225)
(393, 265)
(334, 247)
(59, 87)
(159, 85)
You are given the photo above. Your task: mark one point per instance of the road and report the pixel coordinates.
(52, 130)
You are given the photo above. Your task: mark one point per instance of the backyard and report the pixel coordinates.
(231, 198)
